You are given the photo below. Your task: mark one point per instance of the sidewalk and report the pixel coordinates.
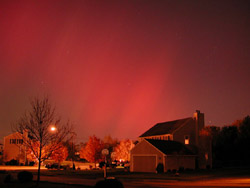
(21, 168)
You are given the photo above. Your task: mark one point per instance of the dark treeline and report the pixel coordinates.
(231, 144)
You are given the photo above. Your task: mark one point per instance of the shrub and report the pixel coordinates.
(8, 178)
(110, 183)
(25, 176)
(2, 171)
(12, 162)
(32, 163)
(181, 169)
(160, 168)
(174, 171)
(189, 169)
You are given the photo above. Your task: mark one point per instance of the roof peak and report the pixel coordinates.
(170, 147)
(175, 120)
(167, 127)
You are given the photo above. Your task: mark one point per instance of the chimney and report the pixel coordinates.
(199, 124)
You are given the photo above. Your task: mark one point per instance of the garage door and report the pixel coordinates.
(144, 163)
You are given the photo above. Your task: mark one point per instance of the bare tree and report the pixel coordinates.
(42, 128)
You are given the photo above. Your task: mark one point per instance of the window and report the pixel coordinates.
(167, 137)
(186, 138)
(16, 141)
(19, 141)
(12, 141)
(206, 156)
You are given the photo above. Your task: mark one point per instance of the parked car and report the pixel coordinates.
(56, 166)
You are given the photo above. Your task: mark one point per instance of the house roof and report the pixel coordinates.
(169, 147)
(168, 127)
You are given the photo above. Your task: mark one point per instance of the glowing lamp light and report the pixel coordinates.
(53, 129)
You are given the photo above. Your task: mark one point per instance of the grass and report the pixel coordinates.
(121, 174)
(124, 175)
(41, 185)
(14, 183)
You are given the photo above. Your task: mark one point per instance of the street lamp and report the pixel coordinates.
(52, 128)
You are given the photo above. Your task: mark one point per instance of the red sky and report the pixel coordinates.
(118, 67)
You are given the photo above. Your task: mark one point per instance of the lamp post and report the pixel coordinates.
(73, 150)
(105, 152)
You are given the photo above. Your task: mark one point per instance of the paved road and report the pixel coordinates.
(243, 181)
(150, 183)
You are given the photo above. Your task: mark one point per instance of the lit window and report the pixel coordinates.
(206, 156)
(187, 139)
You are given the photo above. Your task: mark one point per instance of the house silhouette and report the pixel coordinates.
(174, 144)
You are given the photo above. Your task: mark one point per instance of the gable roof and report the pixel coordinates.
(168, 127)
(169, 147)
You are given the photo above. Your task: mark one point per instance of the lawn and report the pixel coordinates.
(122, 174)
(14, 183)
(41, 185)
(94, 175)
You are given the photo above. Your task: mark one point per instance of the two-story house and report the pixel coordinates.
(175, 144)
(14, 147)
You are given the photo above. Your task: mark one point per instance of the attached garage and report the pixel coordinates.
(148, 153)
(144, 163)
(145, 157)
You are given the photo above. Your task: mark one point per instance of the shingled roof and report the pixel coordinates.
(169, 147)
(166, 127)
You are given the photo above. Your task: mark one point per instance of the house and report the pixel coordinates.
(1, 153)
(14, 147)
(176, 144)
(1, 149)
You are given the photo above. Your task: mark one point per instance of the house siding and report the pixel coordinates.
(174, 162)
(14, 150)
(188, 129)
(144, 151)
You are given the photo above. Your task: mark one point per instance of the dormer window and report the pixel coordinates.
(186, 139)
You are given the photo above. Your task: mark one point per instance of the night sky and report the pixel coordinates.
(119, 67)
